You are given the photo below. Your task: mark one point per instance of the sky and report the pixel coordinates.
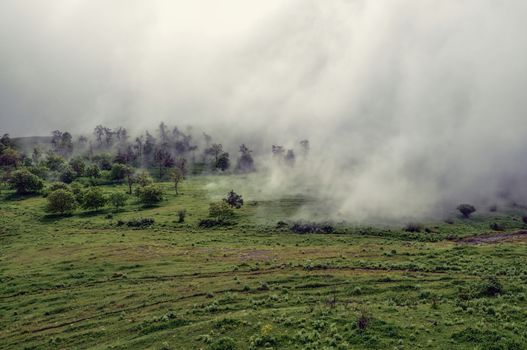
(407, 104)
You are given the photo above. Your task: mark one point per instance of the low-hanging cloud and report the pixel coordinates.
(410, 106)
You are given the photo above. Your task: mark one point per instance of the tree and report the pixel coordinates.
(61, 201)
(53, 161)
(68, 175)
(144, 179)
(118, 199)
(36, 155)
(78, 166)
(150, 194)
(25, 182)
(9, 157)
(214, 150)
(130, 179)
(245, 162)
(177, 177)
(466, 210)
(304, 144)
(278, 151)
(118, 172)
(220, 210)
(223, 163)
(93, 171)
(163, 159)
(94, 199)
(234, 200)
(290, 158)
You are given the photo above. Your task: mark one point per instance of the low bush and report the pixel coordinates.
(137, 223)
(466, 210)
(208, 223)
(308, 227)
(413, 227)
(61, 201)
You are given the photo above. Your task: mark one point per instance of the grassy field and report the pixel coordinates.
(81, 281)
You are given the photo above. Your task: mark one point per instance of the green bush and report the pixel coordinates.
(68, 175)
(94, 199)
(118, 172)
(118, 199)
(220, 210)
(24, 182)
(61, 201)
(150, 194)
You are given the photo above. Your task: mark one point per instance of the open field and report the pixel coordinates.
(81, 281)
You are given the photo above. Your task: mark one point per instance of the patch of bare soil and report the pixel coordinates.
(495, 238)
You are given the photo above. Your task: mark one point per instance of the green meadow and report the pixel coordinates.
(88, 280)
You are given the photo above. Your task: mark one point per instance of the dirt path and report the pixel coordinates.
(495, 238)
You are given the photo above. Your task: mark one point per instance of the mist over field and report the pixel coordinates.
(410, 107)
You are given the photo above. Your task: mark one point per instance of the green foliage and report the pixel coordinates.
(144, 179)
(118, 199)
(78, 166)
(68, 175)
(93, 171)
(54, 162)
(220, 210)
(225, 343)
(150, 194)
(24, 182)
(466, 210)
(234, 200)
(93, 199)
(61, 201)
(119, 172)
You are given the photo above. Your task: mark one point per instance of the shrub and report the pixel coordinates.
(491, 287)
(225, 343)
(144, 179)
(220, 210)
(208, 223)
(61, 201)
(524, 219)
(118, 172)
(68, 175)
(150, 194)
(234, 200)
(181, 215)
(93, 171)
(93, 198)
(78, 166)
(413, 227)
(25, 182)
(118, 199)
(466, 210)
(497, 227)
(308, 227)
(363, 320)
(140, 223)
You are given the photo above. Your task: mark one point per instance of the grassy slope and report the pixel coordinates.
(82, 282)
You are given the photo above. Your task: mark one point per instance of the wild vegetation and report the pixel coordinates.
(160, 243)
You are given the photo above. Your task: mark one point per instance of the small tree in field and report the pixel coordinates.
(177, 177)
(25, 182)
(181, 215)
(144, 179)
(94, 199)
(220, 210)
(466, 210)
(234, 200)
(150, 194)
(61, 201)
(118, 200)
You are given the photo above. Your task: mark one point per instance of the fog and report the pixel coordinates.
(411, 107)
